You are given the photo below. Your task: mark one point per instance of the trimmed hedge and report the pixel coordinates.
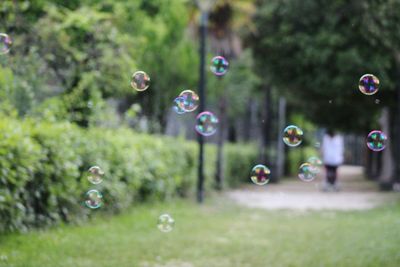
(239, 160)
(43, 168)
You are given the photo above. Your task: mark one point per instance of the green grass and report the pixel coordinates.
(215, 234)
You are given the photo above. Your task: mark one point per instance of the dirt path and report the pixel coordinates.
(356, 193)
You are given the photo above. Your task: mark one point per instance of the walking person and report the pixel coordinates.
(332, 154)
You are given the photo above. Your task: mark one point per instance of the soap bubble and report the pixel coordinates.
(376, 140)
(95, 175)
(191, 100)
(315, 163)
(260, 174)
(5, 43)
(165, 223)
(140, 81)
(178, 105)
(94, 199)
(206, 123)
(3, 258)
(368, 84)
(219, 65)
(306, 173)
(292, 136)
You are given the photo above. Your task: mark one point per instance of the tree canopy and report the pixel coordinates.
(314, 52)
(87, 51)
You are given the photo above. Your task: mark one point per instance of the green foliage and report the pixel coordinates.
(299, 155)
(239, 161)
(44, 166)
(85, 52)
(320, 55)
(19, 159)
(237, 86)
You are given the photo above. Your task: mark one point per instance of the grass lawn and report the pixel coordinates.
(215, 234)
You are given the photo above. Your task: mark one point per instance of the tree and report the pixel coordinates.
(89, 49)
(230, 93)
(315, 52)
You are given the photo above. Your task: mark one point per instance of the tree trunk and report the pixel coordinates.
(219, 170)
(280, 159)
(266, 127)
(396, 126)
(385, 177)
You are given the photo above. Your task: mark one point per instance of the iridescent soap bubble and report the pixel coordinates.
(3, 258)
(165, 223)
(315, 163)
(95, 175)
(140, 81)
(368, 84)
(5, 43)
(260, 174)
(178, 105)
(292, 135)
(219, 65)
(93, 199)
(191, 100)
(306, 173)
(376, 140)
(206, 123)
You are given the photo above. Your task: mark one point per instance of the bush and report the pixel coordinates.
(43, 168)
(239, 159)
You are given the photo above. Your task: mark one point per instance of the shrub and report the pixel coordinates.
(239, 159)
(19, 160)
(43, 168)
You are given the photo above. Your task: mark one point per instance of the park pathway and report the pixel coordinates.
(357, 193)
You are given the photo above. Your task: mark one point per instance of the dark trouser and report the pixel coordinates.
(331, 174)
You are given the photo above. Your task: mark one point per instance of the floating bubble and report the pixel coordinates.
(140, 81)
(219, 65)
(165, 223)
(306, 173)
(369, 84)
(94, 199)
(191, 100)
(3, 258)
(315, 163)
(260, 174)
(377, 101)
(292, 135)
(89, 104)
(95, 175)
(178, 105)
(5, 43)
(376, 140)
(317, 145)
(206, 123)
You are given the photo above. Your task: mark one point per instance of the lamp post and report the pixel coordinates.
(205, 7)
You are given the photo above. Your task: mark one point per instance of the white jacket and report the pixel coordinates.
(332, 150)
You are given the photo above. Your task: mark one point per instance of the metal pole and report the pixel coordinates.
(202, 96)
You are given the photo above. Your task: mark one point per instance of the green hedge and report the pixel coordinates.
(239, 160)
(43, 169)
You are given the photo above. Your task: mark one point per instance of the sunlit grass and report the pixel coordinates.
(215, 234)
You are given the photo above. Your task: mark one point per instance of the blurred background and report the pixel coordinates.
(66, 102)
